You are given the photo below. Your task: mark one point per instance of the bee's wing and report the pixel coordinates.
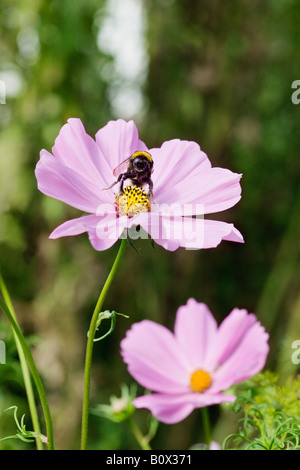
(121, 168)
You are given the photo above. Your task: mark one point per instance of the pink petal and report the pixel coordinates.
(154, 358)
(103, 231)
(175, 161)
(107, 231)
(196, 330)
(62, 183)
(170, 409)
(117, 141)
(190, 233)
(167, 409)
(216, 231)
(75, 149)
(215, 446)
(246, 360)
(73, 227)
(220, 189)
(216, 189)
(231, 332)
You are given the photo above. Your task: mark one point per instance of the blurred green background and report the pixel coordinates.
(219, 73)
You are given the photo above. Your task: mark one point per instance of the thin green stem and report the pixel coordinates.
(90, 344)
(24, 368)
(206, 425)
(34, 372)
(142, 440)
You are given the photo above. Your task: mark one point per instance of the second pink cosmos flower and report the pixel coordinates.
(192, 367)
(185, 188)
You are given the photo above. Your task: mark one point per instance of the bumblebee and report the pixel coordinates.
(138, 168)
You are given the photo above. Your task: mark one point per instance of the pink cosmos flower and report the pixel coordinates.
(192, 367)
(80, 173)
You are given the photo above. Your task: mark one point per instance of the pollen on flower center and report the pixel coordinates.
(132, 201)
(200, 380)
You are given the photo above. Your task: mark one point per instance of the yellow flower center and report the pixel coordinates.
(132, 201)
(200, 380)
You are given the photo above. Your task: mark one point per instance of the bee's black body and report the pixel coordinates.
(139, 168)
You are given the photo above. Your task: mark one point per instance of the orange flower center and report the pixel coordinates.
(200, 380)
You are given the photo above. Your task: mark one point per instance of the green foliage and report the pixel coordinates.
(120, 408)
(107, 315)
(22, 433)
(271, 415)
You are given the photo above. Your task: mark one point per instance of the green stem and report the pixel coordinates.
(206, 426)
(34, 372)
(142, 440)
(90, 344)
(24, 368)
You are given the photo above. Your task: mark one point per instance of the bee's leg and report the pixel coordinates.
(122, 184)
(150, 192)
(125, 176)
(113, 184)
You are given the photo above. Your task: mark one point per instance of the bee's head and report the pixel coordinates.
(142, 161)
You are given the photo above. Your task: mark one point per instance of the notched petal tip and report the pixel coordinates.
(234, 235)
